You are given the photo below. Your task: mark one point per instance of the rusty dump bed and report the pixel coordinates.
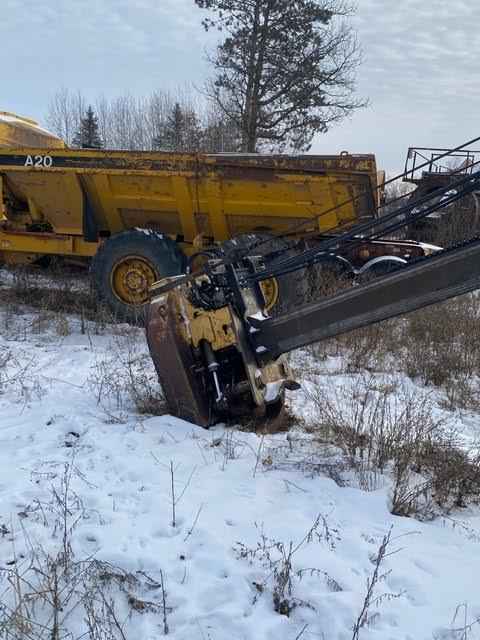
(89, 194)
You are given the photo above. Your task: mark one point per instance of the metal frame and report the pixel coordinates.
(427, 161)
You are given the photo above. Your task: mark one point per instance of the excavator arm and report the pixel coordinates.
(429, 280)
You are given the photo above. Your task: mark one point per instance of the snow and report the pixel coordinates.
(149, 232)
(273, 391)
(260, 316)
(236, 486)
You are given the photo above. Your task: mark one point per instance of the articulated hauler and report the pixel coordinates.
(135, 217)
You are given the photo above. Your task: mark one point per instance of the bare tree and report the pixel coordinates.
(65, 113)
(285, 70)
(102, 109)
(219, 133)
(159, 105)
(170, 121)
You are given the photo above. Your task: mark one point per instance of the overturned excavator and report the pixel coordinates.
(220, 354)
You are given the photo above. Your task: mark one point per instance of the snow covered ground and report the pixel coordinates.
(240, 503)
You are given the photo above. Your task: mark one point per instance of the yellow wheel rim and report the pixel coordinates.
(270, 292)
(131, 279)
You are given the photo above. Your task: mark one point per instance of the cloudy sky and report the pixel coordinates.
(420, 68)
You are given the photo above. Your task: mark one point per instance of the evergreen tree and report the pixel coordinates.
(180, 132)
(285, 68)
(87, 137)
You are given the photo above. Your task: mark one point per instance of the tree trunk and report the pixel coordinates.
(249, 140)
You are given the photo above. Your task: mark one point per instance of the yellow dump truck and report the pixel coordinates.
(137, 216)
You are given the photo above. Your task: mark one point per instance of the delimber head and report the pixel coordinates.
(205, 361)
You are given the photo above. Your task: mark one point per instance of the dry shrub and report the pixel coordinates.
(324, 279)
(370, 418)
(438, 475)
(442, 348)
(370, 348)
(454, 473)
(372, 599)
(49, 593)
(126, 376)
(457, 223)
(374, 348)
(438, 345)
(381, 426)
(48, 596)
(18, 375)
(277, 561)
(57, 289)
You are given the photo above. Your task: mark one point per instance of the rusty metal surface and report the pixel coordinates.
(175, 332)
(88, 161)
(313, 163)
(173, 358)
(181, 162)
(184, 194)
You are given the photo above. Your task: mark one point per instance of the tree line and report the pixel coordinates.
(168, 121)
(283, 72)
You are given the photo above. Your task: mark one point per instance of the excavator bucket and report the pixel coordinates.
(205, 362)
(174, 361)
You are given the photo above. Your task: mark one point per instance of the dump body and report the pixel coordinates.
(16, 131)
(88, 195)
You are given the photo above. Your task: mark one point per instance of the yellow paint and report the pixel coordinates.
(213, 326)
(181, 195)
(46, 244)
(131, 279)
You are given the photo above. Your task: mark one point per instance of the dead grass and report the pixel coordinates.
(277, 559)
(385, 429)
(438, 346)
(58, 288)
(49, 594)
(126, 377)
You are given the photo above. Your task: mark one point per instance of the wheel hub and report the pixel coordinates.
(132, 278)
(270, 292)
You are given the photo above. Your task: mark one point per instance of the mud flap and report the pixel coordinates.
(171, 351)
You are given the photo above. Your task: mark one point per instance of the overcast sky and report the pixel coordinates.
(420, 68)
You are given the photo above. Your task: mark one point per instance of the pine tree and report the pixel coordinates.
(180, 132)
(285, 69)
(87, 137)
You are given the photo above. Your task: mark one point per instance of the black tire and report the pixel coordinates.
(148, 255)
